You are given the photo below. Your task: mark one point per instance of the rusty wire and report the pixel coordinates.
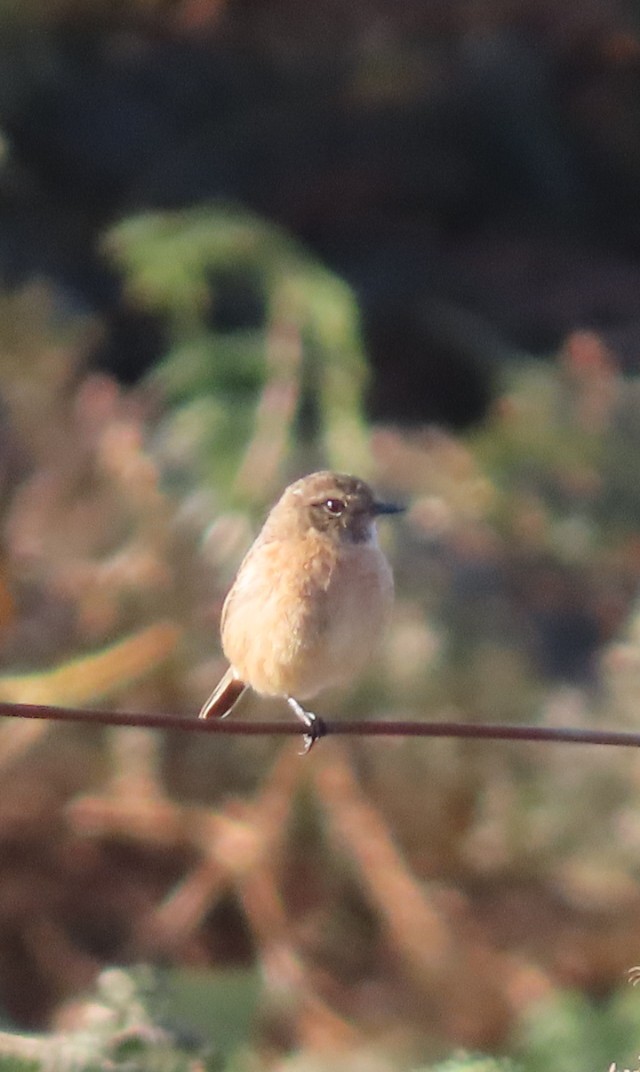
(359, 728)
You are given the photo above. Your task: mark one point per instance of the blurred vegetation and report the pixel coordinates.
(572, 1032)
(250, 401)
(113, 1029)
(382, 904)
(395, 899)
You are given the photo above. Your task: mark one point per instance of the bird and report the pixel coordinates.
(311, 598)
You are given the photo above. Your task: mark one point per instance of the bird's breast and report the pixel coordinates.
(306, 615)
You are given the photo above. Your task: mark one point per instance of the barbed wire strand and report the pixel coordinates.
(360, 728)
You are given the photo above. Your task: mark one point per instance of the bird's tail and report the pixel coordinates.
(226, 693)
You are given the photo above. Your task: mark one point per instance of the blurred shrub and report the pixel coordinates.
(431, 888)
(116, 1030)
(570, 1032)
(250, 404)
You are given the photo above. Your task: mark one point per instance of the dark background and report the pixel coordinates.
(471, 169)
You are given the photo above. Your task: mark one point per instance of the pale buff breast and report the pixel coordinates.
(295, 625)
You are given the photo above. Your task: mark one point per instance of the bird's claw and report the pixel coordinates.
(314, 726)
(317, 730)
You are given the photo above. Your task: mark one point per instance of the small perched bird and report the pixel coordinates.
(310, 600)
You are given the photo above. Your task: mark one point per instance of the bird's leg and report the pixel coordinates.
(314, 726)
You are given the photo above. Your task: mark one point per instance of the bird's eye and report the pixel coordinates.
(335, 507)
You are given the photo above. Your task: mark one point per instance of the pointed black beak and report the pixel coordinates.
(387, 508)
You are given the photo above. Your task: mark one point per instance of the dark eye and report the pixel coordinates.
(335, 507)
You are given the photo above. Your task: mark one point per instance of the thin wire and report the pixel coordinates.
(363, 728)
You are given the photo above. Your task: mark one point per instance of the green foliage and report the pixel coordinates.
(218, 1005)
(249, 402)
(475, 1063)
(117, 1031)
(17, 1064)
(569, 437)
(574, 1033)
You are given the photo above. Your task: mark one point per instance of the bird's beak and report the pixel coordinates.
(387, 508)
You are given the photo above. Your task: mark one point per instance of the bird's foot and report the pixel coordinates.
(314, 726)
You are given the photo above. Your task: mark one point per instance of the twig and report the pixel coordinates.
(361, 728)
